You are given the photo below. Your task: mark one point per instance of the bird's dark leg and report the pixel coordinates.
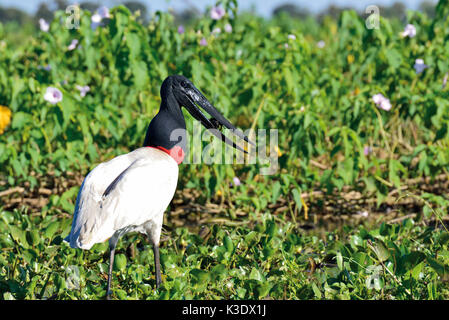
(157, 266)
(112, 244)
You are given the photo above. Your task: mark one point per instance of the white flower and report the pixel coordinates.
(96, 18)
(320, 44)
(53, 95)
(83, 90)
(385, 105)
(72, 45)
(228, 28)
(216, 31)
(382, 102)
(291, 37)
(44, 26)
(420, 66)
(409, 31)
(216, 13)
(377, 98)
(96, 21)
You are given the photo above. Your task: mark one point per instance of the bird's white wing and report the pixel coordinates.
(127, 191)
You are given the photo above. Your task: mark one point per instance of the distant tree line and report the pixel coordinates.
(397, 9)
(46, 10)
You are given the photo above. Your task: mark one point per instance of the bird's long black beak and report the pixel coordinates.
(195, 97)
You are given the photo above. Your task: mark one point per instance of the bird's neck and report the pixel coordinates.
(167, 130)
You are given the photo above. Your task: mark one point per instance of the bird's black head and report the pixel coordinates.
(191, 98)
(177, 91)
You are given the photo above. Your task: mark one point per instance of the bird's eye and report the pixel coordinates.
(184, 84)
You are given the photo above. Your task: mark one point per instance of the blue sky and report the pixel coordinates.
(262, 7)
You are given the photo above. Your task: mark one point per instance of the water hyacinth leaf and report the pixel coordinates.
(133, 42)
(416, 271)
(441, 269)
(271, 229)
(16, 233)
(316, 291)
(19, 120)
(59, 282)
(219, 272)
(262, 289)
(394, 58)
(227, 241)
(119, 262)
(51, 229)
(256, 275)
(339, 258)
(268, 251)
(251, 238)
(297, 197)
(33, 237)
(276, 191)
(412, 259)
(121, 294)
(139, 69)
(381, 251)
(199, 276)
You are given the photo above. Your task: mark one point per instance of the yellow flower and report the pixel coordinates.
(351, 58)
(5, 118)
(334, 29)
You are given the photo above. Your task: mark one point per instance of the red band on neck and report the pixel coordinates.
(176, 153)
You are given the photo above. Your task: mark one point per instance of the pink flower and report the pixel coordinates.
(216, 31)
(291, 37)
(72, 45)
(43, 25)
(236, 181)
(53, 95)
(228, 28)
(409, 31)
(203, 42)
(382, 102)
(181, 29)
(367, 150)
(320, 44)
(83, 90)
(216, 13)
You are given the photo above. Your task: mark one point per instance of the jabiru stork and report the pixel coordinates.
(131, 192)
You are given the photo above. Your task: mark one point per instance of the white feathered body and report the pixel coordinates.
(128, 193)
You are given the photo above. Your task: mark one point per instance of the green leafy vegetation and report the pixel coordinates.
(313, 81)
